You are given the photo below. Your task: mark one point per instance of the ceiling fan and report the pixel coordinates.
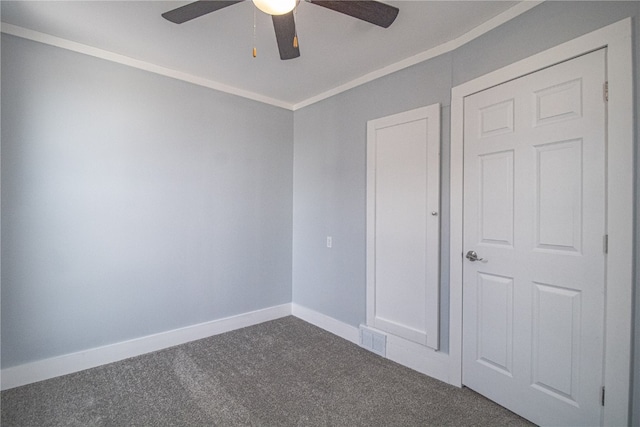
(374, 12)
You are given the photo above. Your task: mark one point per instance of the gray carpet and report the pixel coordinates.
(280, 373)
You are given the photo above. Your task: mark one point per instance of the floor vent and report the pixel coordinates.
(373, 341)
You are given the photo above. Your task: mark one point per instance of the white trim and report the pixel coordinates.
(617, 38)
(399, 350)
(36, 36)
(449, 46)
(418, 357)
(329, 324)
(422, 359)
(74, 362)
(620, 260)
(485, 27)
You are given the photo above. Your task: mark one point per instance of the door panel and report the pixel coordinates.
(558, 202)
(556, 340)
(403, 173)
(534, 211)
(400, 229)
(496, 198)
(495, 322)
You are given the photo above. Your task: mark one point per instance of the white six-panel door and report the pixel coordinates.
(534, 211)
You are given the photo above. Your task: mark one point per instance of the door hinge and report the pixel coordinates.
(602, 396)
(605, 91)
(605, 243)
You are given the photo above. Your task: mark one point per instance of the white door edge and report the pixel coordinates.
(618, 311)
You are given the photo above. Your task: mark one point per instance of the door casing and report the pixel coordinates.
(619, 264)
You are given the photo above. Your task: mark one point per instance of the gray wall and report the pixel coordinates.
(132, 203)
(329, 154)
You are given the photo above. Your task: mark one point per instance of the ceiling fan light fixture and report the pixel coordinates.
(275, 7)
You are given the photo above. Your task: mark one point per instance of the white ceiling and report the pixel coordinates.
(335, 49)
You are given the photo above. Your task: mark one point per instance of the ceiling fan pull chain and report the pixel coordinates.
(255, 51)
(295, 33)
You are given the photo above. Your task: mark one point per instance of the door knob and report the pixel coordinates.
(473, 256)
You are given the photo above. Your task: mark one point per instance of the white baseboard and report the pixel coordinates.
(406, 353)
(412, 355)
(54, 367)
(419, 358)
(329, 324)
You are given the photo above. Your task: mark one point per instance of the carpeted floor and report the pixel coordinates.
(280, 373)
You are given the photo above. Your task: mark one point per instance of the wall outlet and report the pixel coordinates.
(329, 241)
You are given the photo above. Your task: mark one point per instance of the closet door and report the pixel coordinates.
(535, 217)
(403, 181)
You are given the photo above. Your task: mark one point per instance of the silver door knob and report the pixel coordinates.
(473, 256)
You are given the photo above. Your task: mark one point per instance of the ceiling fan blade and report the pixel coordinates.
(285, 27)
(375, 12)
(196, 9)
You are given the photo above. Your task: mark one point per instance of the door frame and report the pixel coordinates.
(619, 212)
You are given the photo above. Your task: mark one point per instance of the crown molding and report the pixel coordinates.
(48, 39)
(449, 46)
